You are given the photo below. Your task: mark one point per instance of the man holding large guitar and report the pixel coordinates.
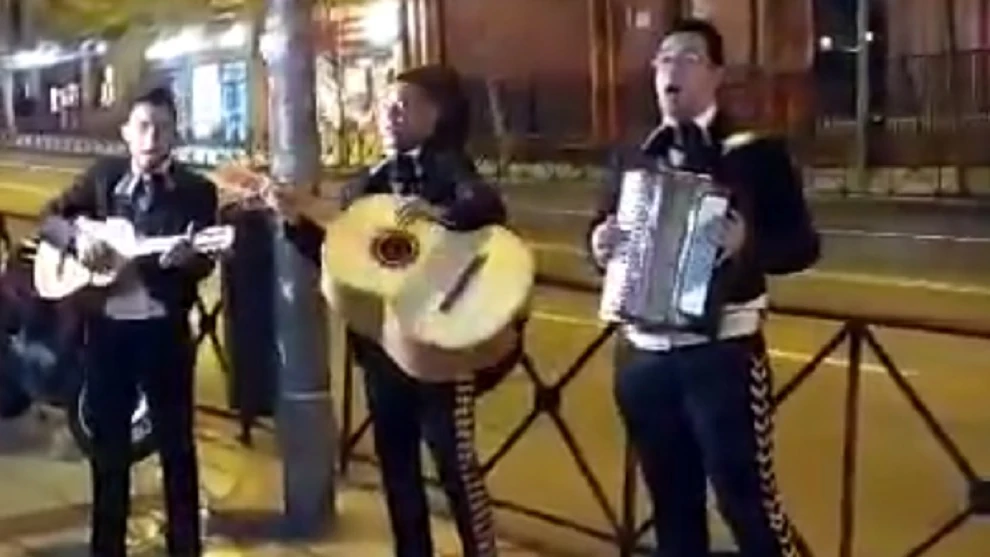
(420, 219)
(132, 225)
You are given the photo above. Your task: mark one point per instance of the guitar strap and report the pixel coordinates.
(103, 198)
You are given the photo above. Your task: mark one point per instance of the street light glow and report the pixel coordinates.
(46, 54)
(193, 39)
(380, 23)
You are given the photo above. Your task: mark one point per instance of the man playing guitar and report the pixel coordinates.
(140, 336)
(424, 125)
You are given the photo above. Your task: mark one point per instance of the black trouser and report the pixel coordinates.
(158, 356)
(698, 412)
(405, 411)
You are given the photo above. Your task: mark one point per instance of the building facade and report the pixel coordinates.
(567, 74)
(576, 72)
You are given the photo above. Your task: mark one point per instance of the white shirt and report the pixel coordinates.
(738, 320)
(132, 301)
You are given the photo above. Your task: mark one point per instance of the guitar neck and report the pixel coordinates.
(156, 245)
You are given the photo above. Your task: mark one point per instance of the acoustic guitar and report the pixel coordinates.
(58, 274)
(442, 304)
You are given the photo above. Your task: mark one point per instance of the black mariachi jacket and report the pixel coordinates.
(445, 178)
(192, 200)
(765, 187)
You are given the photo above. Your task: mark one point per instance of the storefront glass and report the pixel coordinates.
(206, 102)
(234, 98)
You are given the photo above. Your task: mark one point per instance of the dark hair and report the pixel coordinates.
(707, 31)
(158, 97)
(443, 85)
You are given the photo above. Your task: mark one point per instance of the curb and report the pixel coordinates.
(915, 184)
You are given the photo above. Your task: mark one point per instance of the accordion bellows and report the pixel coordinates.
(660, 275)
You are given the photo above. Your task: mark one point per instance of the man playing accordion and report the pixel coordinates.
(698, 406)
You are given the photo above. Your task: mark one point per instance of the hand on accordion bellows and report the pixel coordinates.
(729, 234)
(415, 208)
(604, 239)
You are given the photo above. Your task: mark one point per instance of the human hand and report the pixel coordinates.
(181, 252)
(729, 234)
(604, 239)
(414, 208)
(97, 255)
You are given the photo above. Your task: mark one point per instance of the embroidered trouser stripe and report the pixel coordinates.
(478, 503)
(760, 391)
(703, 413)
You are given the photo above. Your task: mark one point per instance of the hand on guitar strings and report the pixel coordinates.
(729, 234)
(97, 255)
(252, 190)
(413, 208)
(181, 252)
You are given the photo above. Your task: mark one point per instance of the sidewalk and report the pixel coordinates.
(45, 497)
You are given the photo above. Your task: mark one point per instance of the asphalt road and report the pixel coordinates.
(922, 261)
(906, 486)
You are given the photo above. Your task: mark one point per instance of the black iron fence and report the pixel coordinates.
(854, 333)
(625, 530)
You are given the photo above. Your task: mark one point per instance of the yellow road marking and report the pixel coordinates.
(793, 356)
(832, 276)
(786, 355)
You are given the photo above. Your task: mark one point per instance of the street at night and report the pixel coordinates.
(908, 259)
(850, 418)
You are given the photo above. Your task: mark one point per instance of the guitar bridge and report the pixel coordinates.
(457, 290)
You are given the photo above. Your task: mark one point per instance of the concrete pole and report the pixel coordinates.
(304, 412)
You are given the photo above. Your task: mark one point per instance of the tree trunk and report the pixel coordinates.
(503, 140)
(304, 414)
(10, 116)
(958, 126)
(126, 56)
(6, 74)
(258, 93)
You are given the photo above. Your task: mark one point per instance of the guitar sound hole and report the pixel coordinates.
(395, 248)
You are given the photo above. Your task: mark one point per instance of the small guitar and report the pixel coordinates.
(442, 304)
(248, 189)
(58, 274)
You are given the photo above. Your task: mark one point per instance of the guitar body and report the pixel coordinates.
(442, 304)
(58, 275)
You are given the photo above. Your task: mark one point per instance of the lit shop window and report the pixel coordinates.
(207, 102)
(106, 87)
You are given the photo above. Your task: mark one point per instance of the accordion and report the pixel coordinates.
(661, 275)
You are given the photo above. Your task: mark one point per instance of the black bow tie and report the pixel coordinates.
(690, 136)
(691, 141)
(405, 171)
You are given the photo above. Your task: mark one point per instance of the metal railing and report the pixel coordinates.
(625, 530)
